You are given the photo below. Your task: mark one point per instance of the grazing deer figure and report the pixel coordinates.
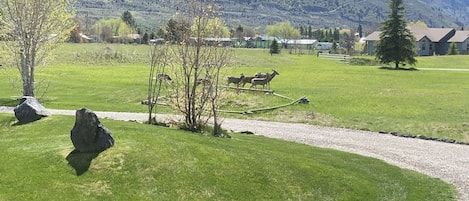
(263, 80)
(234, 80)
(203, 81)
(164, 77)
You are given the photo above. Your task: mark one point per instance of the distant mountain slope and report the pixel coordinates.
(456, 10)
(258, 13)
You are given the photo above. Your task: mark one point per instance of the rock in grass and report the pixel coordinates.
(30, 110)
(88, 134)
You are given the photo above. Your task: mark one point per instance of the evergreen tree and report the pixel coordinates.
(397, 44)
(145, 38)
(336, 35)
(453, 49)
(360, 31)
(334, 47)
(274, 47)
(129, 19)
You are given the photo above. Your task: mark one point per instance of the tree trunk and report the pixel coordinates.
(27, 74)
(397, 65)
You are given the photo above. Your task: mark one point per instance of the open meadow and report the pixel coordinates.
(149, 162)
(114, 78)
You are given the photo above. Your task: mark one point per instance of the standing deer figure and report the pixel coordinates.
(263, 79)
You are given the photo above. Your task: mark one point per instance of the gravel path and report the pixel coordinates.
(446, 161)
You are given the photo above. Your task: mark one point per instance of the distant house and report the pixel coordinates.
(156, 41)
(324, 46)
(308, 44)
(85, 38)
(227, 42)
(429, 41)
(461, 39)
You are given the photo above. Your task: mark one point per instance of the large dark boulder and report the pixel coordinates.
(30, 110)
(88, 134)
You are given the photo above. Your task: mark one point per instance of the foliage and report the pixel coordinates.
(109, 28)
(149, 163)
(284, 31)
(32, 29)
(214, 28)
(175, 30)
(129, 19)
(257, 14)
(75, 36)
(360, 31)
(274, 48)
(397, 44)
(453, 49)
(418, 23)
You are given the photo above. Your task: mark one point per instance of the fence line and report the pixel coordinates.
(337, 57)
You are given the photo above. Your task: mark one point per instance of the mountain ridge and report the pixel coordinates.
(151, 14)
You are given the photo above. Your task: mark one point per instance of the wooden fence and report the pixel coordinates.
(338, 57)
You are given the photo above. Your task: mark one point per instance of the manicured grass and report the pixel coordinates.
(154, 163)
(431, 103)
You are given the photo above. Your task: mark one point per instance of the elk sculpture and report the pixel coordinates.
(246, 79)
(164, 77)
(263, 79)
(234, 80)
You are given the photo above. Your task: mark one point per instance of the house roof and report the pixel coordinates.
(459, 37)
(433, 34)
(373, 36)
(302, 41)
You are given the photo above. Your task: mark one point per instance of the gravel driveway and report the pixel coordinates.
(449, 162)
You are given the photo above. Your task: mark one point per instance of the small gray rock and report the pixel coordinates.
(88, 134)
(30, 110)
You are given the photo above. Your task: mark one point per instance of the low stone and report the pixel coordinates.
(30, 110)
(88, 134)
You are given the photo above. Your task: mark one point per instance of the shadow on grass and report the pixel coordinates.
(8, 122)
(81, 161)
(392, 68)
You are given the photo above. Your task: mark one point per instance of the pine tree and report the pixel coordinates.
(397, 44)
(360, 31)
(453, 49)
(274, 48)
(129, 19)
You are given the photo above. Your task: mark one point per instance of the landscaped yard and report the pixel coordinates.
(149, 162)
(155, 163)
(114, 78)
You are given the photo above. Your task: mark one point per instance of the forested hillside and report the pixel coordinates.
(151, 14)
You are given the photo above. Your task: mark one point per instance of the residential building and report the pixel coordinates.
(461, 39)
(429, 41)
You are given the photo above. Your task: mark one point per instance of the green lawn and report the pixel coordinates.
(154, 163)
(114, 77)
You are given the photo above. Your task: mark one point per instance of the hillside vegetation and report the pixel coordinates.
(152, 14)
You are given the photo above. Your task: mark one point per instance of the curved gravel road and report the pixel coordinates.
(449, 162)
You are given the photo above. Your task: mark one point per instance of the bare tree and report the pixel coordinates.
(198, 67)
(31, 29)
(158, 77)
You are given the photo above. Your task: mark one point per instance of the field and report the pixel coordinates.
(151, 163)
(430, 103)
